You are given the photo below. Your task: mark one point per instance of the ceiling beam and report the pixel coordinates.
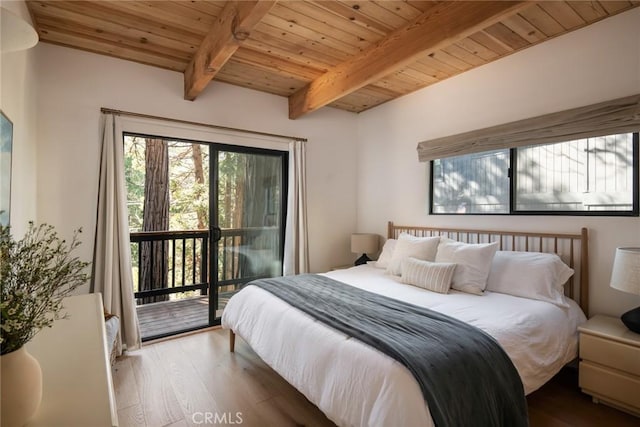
(232, 27)
(440, 26)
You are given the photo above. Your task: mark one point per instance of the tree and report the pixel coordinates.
(153, 263)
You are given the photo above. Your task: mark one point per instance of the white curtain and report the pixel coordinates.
(296, 248)
(112, 274)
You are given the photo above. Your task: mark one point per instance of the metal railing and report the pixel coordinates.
(244, 254)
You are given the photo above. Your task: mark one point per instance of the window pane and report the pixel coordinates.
(475, 183)
(591, 174)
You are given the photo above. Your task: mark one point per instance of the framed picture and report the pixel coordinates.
(6, 147)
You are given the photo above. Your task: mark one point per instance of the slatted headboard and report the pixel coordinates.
(572, 248)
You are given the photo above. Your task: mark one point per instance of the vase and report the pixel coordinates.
(21, 379)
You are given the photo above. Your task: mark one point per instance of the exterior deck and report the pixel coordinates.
(169, 317)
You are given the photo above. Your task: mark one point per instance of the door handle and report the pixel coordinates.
(217, 234)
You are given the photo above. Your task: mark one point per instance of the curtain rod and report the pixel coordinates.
(187, 122)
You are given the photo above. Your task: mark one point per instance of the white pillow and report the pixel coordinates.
(474, 263)
(386, 254)
(423, 248)
(428, 275)
(533, 275)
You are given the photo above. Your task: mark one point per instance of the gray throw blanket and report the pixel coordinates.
(465, 376)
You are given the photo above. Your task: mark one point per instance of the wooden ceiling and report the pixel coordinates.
(347, 54)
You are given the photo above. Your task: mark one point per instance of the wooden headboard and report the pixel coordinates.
(572, 248)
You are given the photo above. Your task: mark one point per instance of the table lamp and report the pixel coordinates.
(625, 277)
(363, 243)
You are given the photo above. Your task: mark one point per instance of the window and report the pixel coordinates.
(590, 176)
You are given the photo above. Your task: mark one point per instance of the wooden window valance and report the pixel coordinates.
(605, 118)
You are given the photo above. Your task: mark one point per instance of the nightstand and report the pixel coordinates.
(610, 363)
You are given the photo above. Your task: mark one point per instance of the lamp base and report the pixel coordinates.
(362, 260)
(631, 320)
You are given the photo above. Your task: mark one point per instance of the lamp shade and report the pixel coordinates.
(17, 34)
(625, 275)
(363, 243)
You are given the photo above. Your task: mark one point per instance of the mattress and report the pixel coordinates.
(356, 385)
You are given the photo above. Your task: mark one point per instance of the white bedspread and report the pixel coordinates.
(356, 385)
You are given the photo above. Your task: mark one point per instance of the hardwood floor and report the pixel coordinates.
(180, 381)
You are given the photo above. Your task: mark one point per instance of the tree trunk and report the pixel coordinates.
(198, 170)
(154, 263)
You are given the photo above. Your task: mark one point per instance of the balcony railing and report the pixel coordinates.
(244, 254)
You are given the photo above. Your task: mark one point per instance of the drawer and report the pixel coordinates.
(610, 353)
(611, 384)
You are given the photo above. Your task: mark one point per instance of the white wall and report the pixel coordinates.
(18, 102)
(73, 85)
(594, 64)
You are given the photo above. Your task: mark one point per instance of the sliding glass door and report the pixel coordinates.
(204, 219)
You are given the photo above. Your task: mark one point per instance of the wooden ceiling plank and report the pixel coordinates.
(212, 8)
(115, 39)
(355, 16)
(477, 49)
(444, 24)
(376, 12)
(452, 61)
(563, 13)
(270, 63)
(154, 10)
(102, 25)
(435, 73)
(323, 29)
(613, 7)
(542, 21)
(507, 36)
(296, 46)
(400, 8)
(234, 25)
(490, 43)
(97, 46)
(590, 11)
(312, 10)
(464, 55)
(422, 5)
(268, 44)
(417, 76)
(301, 44)
(293, 26)
(524, 29)
(102, 11)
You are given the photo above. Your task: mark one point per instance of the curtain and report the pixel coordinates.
(605, 118)
(112, 274)
(296, 249)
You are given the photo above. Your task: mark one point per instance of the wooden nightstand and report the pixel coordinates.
(610, 363)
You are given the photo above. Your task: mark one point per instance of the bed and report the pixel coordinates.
(357, 385)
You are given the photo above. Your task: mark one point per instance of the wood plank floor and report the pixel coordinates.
(176, 382)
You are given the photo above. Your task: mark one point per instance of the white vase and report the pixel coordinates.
(21, 379)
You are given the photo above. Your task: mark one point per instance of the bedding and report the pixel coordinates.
(473, 260)
(534, 275)
(432, 276)
(356, 385)
(406, 246)
(483, 389)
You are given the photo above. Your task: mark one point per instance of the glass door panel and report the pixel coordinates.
(251, 194)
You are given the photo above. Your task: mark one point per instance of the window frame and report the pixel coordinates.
(635, 211)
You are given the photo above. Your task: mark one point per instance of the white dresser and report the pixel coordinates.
(77, 388)
(610, 363)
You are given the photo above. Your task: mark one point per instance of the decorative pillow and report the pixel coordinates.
(386, 254)
(428, 275)
(533, 275)
(423, 248)
(474, 263)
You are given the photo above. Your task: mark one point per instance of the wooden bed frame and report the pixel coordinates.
(565, 245)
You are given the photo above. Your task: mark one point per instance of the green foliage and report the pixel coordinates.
(36, 273)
